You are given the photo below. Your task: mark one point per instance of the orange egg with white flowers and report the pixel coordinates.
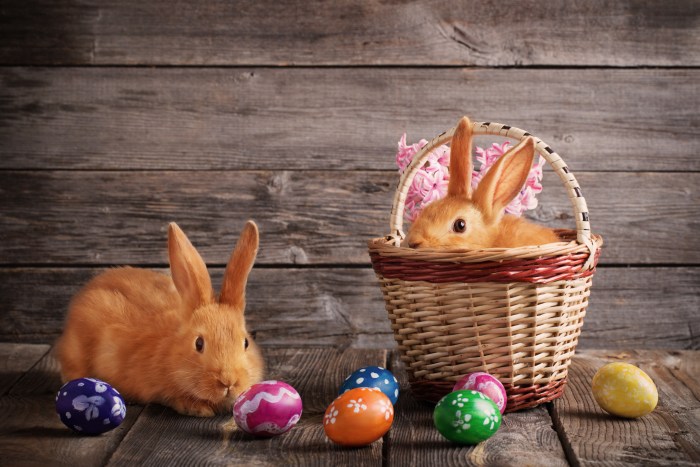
(358, 417)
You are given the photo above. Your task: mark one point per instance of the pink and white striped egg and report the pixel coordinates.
(486, 384)
(269, 408)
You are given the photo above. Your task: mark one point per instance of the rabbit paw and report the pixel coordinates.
(195, 409)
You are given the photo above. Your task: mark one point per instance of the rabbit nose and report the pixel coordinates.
(227, 385)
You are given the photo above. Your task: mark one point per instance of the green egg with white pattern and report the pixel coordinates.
(466, 417)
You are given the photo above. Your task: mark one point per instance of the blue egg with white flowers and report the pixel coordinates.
(89, 406)
(373, 377)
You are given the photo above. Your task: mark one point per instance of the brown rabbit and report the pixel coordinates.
(167, 340)
(466, 220)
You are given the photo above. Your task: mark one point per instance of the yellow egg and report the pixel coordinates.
(624, 390)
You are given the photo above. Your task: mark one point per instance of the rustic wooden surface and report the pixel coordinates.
(335, 118)
(282, 33)
(571, 431)
(670, 435)
(16, 360)
(118, 119)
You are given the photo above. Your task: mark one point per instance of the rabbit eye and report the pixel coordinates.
(199, 344)
(245, 343)
(459, 226)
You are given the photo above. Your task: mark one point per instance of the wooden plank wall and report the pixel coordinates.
(117, 119)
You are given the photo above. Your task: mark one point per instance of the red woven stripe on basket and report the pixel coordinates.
(539, 271)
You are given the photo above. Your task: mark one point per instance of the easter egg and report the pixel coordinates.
(466, 417)
(90, 406)
(485, 384)
(358, 417)
(624, 390)
(268, 408)
(373, 377)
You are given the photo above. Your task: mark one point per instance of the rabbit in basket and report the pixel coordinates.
(466, 220)
(167, 340)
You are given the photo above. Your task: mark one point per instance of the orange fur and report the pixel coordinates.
(136, 329)
(461, 167)
(482, 211)
(238, 268)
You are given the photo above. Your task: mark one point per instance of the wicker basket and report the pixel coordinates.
(513, 312)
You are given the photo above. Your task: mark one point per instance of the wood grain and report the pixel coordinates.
(16, 360)
(44, 378)
(343, 307)
(336, 118)
(30, 431)
(667, 436)
(158, 436)
(426, 32)
(677, 375)
(312, 217)
(644, 308)
(31, 434)
(524, 438)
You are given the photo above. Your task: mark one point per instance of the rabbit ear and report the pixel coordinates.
(239, 266)
(505, 179)
(187, 268)
(461, 165)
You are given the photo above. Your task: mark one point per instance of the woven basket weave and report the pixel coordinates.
(513, 312)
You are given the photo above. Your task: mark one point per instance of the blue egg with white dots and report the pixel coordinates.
(373, 377)
(89, 406)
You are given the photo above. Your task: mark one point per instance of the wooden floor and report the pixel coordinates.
(571, 431)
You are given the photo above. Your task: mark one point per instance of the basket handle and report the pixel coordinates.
(583, 227)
